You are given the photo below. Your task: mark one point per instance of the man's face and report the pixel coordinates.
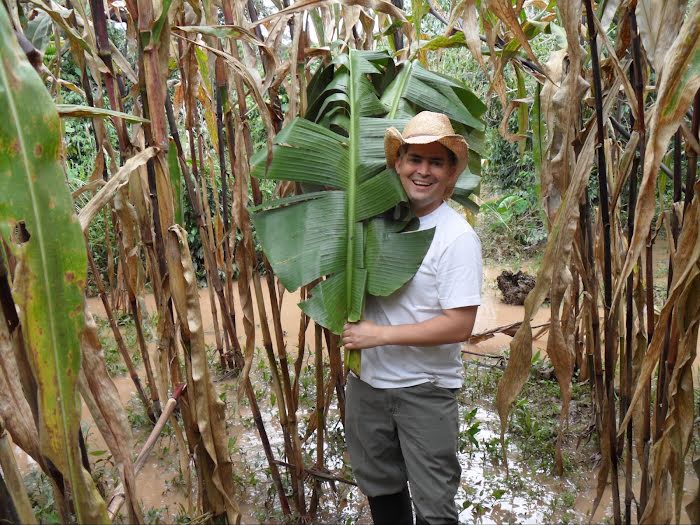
(426, 174)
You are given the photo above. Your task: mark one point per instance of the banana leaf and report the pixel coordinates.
(350, 230)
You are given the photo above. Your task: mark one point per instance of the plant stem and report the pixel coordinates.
(118, 337)
(692, 154)
(18, 498)
(640, 127)
(608, 325)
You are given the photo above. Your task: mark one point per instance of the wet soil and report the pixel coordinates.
(487, 494)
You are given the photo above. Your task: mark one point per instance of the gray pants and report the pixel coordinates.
(409, 434)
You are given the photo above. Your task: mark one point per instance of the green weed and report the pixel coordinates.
(41, 497)
(467, 437)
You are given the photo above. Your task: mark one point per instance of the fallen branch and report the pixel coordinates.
(508, 329)
(326, 476)
(118, 497)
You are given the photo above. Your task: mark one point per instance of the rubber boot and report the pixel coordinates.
(392, 509)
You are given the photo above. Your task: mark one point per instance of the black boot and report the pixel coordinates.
(392, 509)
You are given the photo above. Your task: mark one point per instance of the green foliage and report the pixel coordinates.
(467, 436)
(511, 223)
(344, 234)
(533, 424)
(50, 281)
(113, 359)
(41, 496)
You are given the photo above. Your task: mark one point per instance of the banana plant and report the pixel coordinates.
(349, 229)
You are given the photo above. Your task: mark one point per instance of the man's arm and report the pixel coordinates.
(453, 326)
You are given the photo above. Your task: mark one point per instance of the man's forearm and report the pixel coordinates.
(436, 331)
(453, 326)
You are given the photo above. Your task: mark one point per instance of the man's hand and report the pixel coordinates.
(364, 334)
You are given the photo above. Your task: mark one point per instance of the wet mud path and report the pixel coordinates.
(486, 493)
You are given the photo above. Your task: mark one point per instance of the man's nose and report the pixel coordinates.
(424, 168)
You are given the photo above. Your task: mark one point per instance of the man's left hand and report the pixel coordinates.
(364, 334)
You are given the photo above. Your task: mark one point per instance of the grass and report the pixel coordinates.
(530, 441)
(533, 424)
(113, 359)
(41, 497)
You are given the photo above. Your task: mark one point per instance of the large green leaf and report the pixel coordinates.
(341, 233)
(404, 91)
(51, 272)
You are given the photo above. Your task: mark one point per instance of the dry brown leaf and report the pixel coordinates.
(14, 407)
(659, 22)
(604, 470)
(556, 256)
(131, 241)
(693, 508)
(624, 169)
(557, 103)
(245, 253)
(255, 89)
(685, 262)
(620, 68)
(504, 10)
(471, 33)
(107, 410)
(376, 5)
(293, 86)
(90, 187)
(108, 190)
(209, 410)
(677, 88)
(669, 451)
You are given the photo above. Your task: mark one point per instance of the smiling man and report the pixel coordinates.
(401, 420)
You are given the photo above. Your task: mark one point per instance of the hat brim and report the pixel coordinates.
(393, 140)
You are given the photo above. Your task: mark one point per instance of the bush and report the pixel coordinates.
(510, 221)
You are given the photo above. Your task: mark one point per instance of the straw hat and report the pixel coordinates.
(424, 128)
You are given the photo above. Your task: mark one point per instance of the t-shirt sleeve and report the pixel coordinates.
(459, 272)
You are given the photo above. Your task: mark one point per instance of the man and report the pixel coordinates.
(401, 420)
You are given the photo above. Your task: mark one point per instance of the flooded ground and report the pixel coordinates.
(527, 493)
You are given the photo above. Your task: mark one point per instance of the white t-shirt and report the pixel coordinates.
(448, 277)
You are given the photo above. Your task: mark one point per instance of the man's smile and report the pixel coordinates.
(422, 183)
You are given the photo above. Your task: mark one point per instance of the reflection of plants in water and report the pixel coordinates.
(561, 508)
(487, 490)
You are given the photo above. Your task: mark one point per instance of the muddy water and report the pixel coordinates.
(161, 476)
(484, 494)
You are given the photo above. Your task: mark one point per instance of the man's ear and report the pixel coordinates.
(452, 182)
(454, 175)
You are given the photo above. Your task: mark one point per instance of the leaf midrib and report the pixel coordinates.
(352, 182)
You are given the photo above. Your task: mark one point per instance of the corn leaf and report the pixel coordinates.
(51, 274)
(75, 110)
